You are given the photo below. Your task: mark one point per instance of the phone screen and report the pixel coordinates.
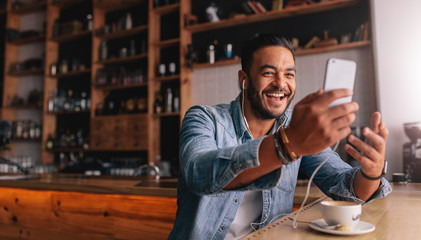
(340, 73)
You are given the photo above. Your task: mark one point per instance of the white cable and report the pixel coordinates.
(294, 224)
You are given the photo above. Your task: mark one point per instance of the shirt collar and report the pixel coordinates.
(240, 127)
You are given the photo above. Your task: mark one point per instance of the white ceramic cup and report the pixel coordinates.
(345, 213)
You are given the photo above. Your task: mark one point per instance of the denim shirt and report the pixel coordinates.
(215, 147)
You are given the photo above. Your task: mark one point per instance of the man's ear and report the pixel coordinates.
(242, 79)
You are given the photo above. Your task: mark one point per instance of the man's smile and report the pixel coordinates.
(276, 96)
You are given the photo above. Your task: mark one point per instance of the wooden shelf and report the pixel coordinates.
(66, 3)
(297, 53)
(168, 43)
(31, 8)
(73, 73)
(108, 88)
(171, 114)
(71, 36)
(217, 63)
(56, 150)
(27, 72)
(26, 139)
(28, 40)
(338, 47)
(24, 107)
(123, 59)
(70, 112)
(167, 9)
(123, 33)
(166, 78)
(271, 15)
(120, 115)
(113, 5)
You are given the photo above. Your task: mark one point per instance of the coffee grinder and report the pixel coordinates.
(412, 152)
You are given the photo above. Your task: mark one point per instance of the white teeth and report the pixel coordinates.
(276, 95)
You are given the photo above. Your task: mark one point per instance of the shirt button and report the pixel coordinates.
(249, 162)
(236, 200)
(241, 165)
(223, 228)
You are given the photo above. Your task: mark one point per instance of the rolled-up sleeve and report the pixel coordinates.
(207, 168)
(335, 178)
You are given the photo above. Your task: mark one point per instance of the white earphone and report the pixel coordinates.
(244, 83)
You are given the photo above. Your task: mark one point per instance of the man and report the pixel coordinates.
(239, 162)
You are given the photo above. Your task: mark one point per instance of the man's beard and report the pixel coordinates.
(257, 106)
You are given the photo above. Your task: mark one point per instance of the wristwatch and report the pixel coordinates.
(376, 178)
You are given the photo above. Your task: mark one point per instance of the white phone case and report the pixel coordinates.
(340, 73)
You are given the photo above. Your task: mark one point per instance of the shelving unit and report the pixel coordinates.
(271, 15)
(119, 131)
(164, 126)
(68, 45)
(338, 47)
(273, 18)
(19, 83)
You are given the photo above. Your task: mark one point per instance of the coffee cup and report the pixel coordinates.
(345, 214)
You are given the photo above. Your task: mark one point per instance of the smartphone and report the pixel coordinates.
(340, 73)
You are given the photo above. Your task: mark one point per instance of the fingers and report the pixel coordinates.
(357, 155)
(330, 96)
(369, 151)
(375, 121)
(383, 132)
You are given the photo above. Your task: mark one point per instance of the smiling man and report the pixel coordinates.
(239, 162)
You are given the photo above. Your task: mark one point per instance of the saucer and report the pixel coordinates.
(361, 228)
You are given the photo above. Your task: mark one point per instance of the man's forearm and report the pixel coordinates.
(268, 160)
(365, 188)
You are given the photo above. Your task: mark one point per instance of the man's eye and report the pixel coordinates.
(290, 74)
(268, 73)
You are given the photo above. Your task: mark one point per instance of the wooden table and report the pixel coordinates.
(397, 216)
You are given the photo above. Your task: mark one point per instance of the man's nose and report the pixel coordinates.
(280, 80)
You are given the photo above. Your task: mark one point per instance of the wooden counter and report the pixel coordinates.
(81, 207)
(94, 184)
(84, 207)
(397, 216)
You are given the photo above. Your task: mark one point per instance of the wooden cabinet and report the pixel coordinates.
(120, 133)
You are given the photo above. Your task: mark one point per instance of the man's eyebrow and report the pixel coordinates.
(274, 68)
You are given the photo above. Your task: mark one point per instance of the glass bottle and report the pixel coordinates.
(176, 101)
(158, 103)
(211, 54)
(169, 100)
(103, 51)
(50, 102)
(83, 101)
(129, 22)
(50, 142)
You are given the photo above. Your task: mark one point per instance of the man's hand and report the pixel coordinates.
(373, 151)
(314, 126)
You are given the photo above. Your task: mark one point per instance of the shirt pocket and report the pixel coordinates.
(288, 178)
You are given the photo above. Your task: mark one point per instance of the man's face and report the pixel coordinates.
(271, 84)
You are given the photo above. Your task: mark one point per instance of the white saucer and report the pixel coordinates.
(361, 228)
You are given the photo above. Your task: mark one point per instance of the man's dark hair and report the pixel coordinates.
(260, 41)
